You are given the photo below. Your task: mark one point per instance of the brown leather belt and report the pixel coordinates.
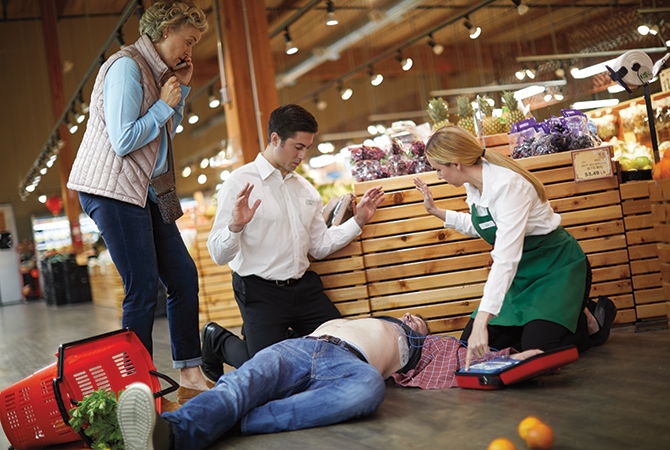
(340, 343)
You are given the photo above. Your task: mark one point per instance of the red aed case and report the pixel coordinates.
(501, 372)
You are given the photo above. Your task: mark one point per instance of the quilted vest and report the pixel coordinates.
(98, 169)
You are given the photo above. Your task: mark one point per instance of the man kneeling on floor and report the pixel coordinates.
(335, 374)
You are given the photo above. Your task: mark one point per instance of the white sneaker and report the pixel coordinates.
(136, 413)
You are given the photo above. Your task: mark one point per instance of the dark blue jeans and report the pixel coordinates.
(291, 385)
(144, 250)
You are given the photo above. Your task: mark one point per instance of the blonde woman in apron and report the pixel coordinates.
(536, 295)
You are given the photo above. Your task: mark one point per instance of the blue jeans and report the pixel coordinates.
(144, 250)
(294, 384)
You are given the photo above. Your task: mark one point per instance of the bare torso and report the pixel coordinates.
(377, 338)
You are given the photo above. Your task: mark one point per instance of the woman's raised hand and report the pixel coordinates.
(428, 201)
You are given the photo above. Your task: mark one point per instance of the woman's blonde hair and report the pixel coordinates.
(453, 144)
(173, 14)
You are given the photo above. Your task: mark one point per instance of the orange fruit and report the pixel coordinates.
(540, 437)
(526, 425)
(501, 444)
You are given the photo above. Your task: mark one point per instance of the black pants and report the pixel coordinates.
(272, 313)
(541, 334)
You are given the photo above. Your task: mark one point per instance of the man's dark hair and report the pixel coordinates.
(288, 120)
(425, 323)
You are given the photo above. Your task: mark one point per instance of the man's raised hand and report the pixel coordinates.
(242, 213)
(366, 208)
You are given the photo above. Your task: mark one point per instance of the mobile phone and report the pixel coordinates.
(181, 65)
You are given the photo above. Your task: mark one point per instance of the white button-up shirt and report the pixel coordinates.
(286, 227)
(517, 212)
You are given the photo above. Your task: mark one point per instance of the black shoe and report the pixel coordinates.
(605, 312)
(212, 336)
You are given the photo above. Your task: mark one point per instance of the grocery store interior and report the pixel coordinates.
(379, 76)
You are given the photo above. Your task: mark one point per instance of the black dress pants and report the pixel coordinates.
(272, 312)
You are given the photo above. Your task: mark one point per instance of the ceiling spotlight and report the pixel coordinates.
(437, 48)
(405, 63)
(204, 163)
(43, 170)
(72, 127)
(30, 188)
(372, 129)
(290, 47)
(473, 31)
(330, 15)
(192, 117)
(548, 97)
(560, 72)
(214, 102)
(346, 93)
(559, 96)
(186, 172)
(78, 116)
(202, 178)
(520, 74)
(531, 73)
(42, 198)
(643, 29)
(321, 105)
(224, 175)
(653, 30)
(179, 129)
(375, 78)
(520, 7)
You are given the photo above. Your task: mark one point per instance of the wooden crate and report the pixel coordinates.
(217, 300)
(415, 265)
(344, 281)
(106, 287)
(641, 240)
(659, 196)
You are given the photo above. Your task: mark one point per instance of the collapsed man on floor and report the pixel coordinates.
(335, 374)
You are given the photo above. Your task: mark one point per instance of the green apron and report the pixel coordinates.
(549, 282)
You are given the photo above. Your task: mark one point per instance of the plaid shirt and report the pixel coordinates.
(440, 359)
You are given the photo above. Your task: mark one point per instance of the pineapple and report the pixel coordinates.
(490, 125)
(438, 110)
(466, 119)
(513, 115)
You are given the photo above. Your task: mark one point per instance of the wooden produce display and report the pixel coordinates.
(106, 286)
(217, 300)
(344, 280)
(659, 195)
(641, 241)
(415, 265)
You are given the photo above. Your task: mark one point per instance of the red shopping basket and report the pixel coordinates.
(34, 411)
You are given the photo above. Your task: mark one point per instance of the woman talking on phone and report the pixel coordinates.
(536, 295)
(125, 177)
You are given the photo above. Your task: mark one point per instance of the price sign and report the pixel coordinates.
(592, 163)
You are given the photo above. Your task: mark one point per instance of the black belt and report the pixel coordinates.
(289, 282)
(339, 342)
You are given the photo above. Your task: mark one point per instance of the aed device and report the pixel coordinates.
(501, 372)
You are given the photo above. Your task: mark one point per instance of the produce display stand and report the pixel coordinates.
(415, 265)
(344, 279)
(641, 241)
(659, 195)
(217, 300)
(106, 286)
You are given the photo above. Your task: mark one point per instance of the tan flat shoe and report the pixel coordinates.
(168, 405)
(185, 394)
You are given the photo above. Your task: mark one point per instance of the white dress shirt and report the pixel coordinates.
(517, 211)
(286, 227)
